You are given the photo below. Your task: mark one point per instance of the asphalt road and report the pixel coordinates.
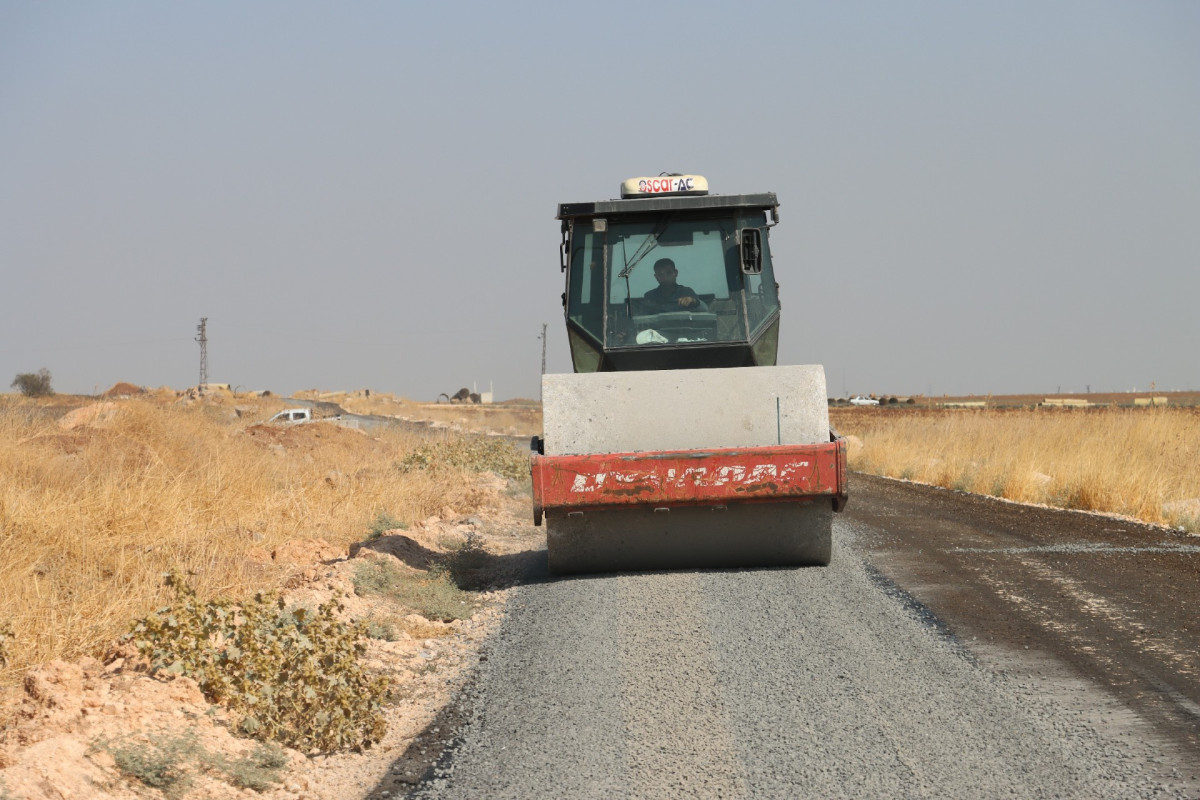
(955, 648)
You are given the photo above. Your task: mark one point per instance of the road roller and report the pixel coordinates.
(677, 442)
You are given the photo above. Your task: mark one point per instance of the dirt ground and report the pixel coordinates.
(73, 721)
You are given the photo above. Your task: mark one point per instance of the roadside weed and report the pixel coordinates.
(474, 453)
(433, 595)
(470, 565)
(258, 770)
(383, 523)
(162, 766)
(294, 675)
(381, 629)
(170, 763)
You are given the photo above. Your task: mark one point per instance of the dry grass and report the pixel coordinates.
(1139, 463)
(512, 420)
(520, 418)
(92, 516)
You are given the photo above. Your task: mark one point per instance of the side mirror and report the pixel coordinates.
(564, 245)
(750, 241)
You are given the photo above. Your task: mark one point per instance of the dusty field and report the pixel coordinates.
(102, 498)
(1130, 399)
(1136, 462)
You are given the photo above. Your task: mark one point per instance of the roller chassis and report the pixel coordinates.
(678, 442)
(676, 478)
(733, 507)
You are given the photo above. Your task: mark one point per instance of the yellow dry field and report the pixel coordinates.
(1140, 463)
(96, 504)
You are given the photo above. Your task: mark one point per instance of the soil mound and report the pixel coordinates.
(307, 437)
(123, 389)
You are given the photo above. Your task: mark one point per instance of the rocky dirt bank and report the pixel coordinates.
(108, 730)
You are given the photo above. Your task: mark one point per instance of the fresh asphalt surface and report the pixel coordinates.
(820, 682)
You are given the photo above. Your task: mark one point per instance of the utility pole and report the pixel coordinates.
(543, 338)
(202, 338)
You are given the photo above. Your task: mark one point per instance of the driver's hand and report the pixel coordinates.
(686, 301)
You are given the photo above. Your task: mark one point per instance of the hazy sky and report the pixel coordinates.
(974, 198)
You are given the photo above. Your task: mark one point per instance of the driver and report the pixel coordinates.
(669, 295)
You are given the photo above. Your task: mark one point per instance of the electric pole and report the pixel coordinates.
(202, 338)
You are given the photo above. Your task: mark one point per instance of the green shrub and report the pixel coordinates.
(33, 384)
(168, 763)
(258, 771)
(431, 594)
(382, 629)
(294, 675)
(161, 766)
(475, 453)
(383, 523)
(470, 564)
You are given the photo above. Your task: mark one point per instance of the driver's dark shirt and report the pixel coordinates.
(666, 298)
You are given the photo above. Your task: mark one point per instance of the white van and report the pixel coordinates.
(291, 416)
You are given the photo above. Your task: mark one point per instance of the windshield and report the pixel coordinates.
(667, 280)
(671, 280)
(697, 249)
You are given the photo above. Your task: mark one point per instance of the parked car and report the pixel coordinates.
(859, 400)
(292, 416)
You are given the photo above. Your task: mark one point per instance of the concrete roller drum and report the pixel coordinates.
(681, 412)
